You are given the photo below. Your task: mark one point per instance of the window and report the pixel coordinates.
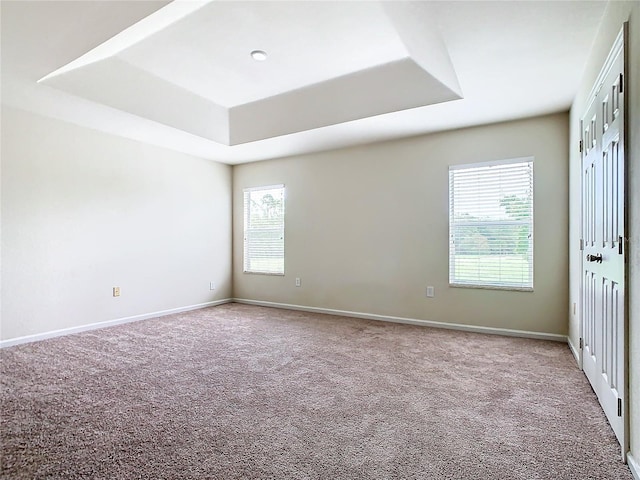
(264, 230)
(491, 224)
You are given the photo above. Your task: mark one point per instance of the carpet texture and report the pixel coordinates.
(244, 392)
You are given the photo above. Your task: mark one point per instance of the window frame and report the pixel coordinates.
(454, 228)
(246, 214)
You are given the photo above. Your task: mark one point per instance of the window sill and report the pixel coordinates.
(264, 273)
(491, 287)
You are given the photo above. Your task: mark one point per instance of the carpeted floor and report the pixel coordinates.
(243, 392)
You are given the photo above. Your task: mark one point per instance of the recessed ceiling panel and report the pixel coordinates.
(326, 63)
(209, 51)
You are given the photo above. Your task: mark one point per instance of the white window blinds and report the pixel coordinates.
(491, 224)
(264, 230)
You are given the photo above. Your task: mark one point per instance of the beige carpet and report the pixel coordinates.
(241, 392)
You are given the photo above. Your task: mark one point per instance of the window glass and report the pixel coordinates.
(264, 230)
(491, 224)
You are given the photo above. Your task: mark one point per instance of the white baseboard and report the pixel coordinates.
(368, 316)
(412, 321)
(108, 323)
(576, 352)
(633, 466)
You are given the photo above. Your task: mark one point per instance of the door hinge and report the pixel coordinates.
(621, 83)
(580, 146)
(619, 407)
(580, 343)
(581, 244)
(620, 245)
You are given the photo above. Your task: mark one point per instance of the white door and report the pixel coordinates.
(603, 231)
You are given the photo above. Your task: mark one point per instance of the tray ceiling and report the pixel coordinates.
(191, 68)
(180, 74)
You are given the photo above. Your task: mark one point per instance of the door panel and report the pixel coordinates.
(591, 219)
(603, 227)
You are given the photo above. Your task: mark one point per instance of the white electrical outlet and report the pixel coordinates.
(298, 283)
(212, 286)
(116, 291)
(431, 292)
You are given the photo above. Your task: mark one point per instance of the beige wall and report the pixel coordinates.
(84, 211)
(367, 228)
(617, 12)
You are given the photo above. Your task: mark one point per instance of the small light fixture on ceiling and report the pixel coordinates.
(259, 55)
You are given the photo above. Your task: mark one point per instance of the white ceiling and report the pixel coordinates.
(179, 75)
